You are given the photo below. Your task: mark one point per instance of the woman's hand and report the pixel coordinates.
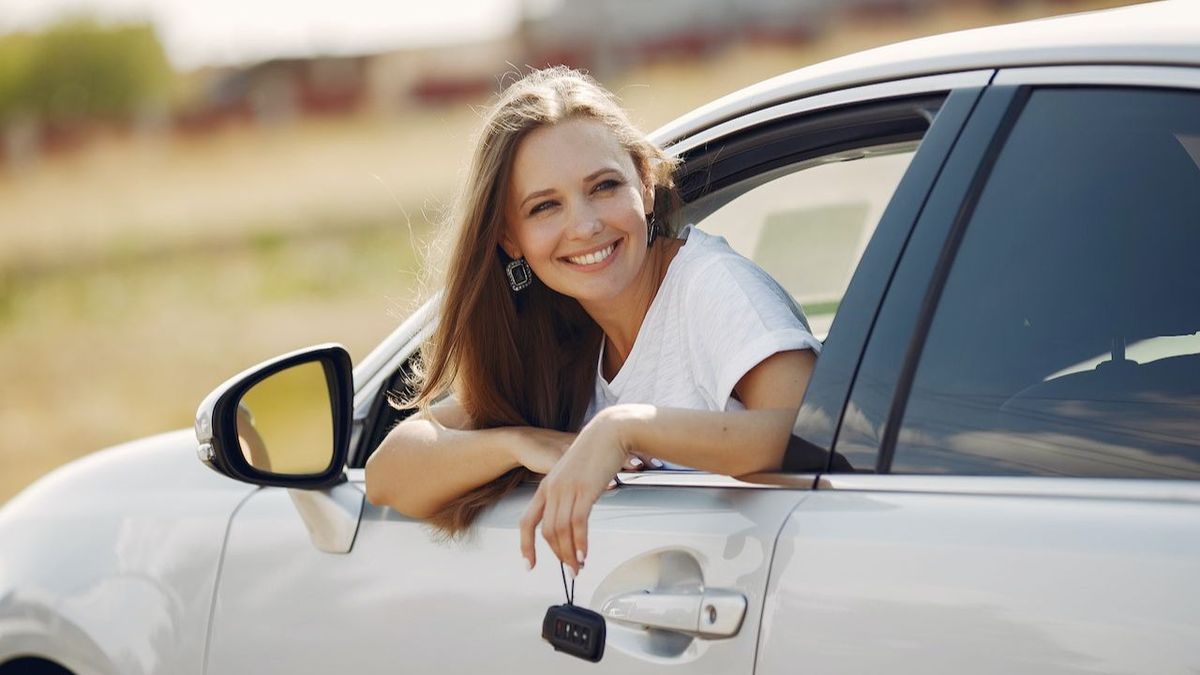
(565, 496)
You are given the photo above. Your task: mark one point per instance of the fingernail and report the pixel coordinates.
(612, 483)
(656, 463)
(635, 462)
(579, 557)
(570, 572)
(528, 564)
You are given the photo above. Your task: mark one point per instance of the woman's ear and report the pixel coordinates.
(510, 247)
(648, 196)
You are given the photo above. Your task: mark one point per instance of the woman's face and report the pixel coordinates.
(577, 211)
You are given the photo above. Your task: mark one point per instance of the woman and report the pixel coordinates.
(575, 338)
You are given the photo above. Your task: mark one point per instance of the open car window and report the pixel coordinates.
(807, 224)
(799, 197)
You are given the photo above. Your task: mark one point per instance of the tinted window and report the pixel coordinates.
(1066, 340)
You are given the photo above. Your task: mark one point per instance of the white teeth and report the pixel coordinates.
(593, 258)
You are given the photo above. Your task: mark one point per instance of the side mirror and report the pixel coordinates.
(285, 422)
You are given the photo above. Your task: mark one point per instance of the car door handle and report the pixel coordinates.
(713, 613)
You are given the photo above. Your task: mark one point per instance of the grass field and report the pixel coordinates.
(138, 274)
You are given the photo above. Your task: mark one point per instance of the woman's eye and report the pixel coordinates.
(606, 185)
(540, 206)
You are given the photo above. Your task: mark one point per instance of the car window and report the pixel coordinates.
(1066, 340)
(807, 224)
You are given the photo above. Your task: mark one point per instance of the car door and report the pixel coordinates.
(678, 560)
(1021, 444)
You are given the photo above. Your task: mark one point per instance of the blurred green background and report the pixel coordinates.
(166, 222)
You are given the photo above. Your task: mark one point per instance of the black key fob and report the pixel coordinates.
(576, 630)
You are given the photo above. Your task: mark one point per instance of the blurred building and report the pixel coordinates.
(276, 91)
(440, 75)
(608, 36)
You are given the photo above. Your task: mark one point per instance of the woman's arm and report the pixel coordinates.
(425, 462)
(732, 443)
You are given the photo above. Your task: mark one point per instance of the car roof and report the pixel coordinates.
(1162, 33)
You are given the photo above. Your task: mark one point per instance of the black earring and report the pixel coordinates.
(519, 274)
(652, 229)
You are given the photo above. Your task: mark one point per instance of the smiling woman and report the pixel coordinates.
(574, 340)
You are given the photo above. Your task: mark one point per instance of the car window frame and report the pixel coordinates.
(940, 230)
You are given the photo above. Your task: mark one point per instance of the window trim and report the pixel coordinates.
(763, 481)
(906, 88)
(692, 479)
(1173, 77)
(1133, 489)
(377, 368)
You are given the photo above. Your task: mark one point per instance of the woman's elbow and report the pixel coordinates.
(376, 486)
(381, 483)
(376, 494)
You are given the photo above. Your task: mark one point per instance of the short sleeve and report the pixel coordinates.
(737, 316)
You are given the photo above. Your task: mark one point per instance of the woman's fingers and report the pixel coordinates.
(579, 529)
(550, 521)
(533, 514)
(557, 512)
(640, 463)
(561, 539)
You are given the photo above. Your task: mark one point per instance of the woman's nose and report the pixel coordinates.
(585, 222)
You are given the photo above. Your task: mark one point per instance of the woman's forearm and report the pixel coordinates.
(422, 465)
(733, 443)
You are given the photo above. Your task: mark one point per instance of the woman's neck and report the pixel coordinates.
(622, 319)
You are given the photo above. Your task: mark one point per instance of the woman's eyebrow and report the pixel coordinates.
(586, 179)
(535, 195)
(600, 172)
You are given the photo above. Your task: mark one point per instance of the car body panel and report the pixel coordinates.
(986, 575)
(403, 599)
(110, 562)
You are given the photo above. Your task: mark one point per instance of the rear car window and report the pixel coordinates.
(1066, 340)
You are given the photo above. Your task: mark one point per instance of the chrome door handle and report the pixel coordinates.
(714, 613)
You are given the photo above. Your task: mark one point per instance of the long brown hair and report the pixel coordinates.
(528, 358)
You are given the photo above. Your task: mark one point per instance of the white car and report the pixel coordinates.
(996, 468)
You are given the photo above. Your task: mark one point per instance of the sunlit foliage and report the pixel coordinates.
(80, 69)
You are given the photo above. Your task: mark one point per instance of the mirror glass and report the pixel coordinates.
(285, 422)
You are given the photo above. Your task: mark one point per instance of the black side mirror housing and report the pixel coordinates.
(285, 422)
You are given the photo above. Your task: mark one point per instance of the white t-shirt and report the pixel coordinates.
(715, 317)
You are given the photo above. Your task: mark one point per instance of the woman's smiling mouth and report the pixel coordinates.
(593, 258)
